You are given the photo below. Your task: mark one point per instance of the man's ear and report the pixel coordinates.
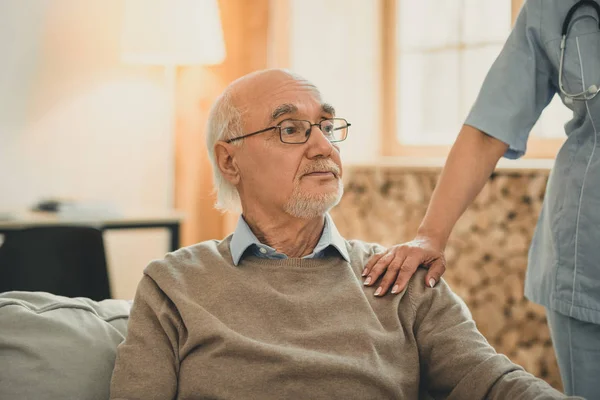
(225, 160)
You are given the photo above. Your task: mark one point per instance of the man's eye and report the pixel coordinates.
(289, 130)
(327, 127)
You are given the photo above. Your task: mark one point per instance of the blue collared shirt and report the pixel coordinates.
(245, 242)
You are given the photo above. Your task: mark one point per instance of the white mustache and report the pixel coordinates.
(322, 166)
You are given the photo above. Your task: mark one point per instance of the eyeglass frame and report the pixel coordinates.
(278, 126)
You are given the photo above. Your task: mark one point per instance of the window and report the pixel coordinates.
(441, 51)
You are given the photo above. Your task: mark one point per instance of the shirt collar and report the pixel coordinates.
(243, 237)
(331, 237)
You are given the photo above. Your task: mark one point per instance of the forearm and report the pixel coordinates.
(470, 163)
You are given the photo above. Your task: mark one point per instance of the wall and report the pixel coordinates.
(75, 122)
(336, 45)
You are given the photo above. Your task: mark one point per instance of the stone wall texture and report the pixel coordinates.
(486, 254)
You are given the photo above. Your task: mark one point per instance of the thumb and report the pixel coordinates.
(436, 270)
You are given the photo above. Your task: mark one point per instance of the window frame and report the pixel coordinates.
(545, 148)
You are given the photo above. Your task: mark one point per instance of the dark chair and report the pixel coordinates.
(67, 261)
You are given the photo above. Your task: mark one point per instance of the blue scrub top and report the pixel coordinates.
(564, 258)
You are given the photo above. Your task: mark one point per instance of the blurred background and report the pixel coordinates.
(103, 106)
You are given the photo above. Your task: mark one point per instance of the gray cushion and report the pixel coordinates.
(54, 347)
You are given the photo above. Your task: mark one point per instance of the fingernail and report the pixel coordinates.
(378, 291)
(364, 273)
(431, 282)
(368, 280)
(395, 289)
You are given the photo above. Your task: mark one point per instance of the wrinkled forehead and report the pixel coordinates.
(265, 97)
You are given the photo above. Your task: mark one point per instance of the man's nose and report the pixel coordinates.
(318, 144)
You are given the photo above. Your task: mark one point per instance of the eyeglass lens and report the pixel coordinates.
(298, 131)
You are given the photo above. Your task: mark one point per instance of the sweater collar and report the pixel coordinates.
(244, 239)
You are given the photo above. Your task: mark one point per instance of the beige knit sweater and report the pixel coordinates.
(202, 328)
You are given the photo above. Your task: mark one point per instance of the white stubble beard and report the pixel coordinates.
(302, 204)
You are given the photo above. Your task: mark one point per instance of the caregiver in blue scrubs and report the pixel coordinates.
(554, 49)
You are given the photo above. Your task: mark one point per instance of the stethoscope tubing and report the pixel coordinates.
(593, 90)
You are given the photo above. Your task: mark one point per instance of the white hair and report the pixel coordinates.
(224, 122)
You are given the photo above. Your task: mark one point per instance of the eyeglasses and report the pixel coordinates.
(296, 131)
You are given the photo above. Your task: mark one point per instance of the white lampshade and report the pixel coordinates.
(172, 32)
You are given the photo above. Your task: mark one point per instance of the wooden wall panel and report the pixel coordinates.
(515, 8)
(245, 28)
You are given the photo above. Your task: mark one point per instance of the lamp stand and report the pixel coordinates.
(171, 88)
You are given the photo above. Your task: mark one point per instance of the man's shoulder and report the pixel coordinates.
(421, 294)
(361, 248)
(361, 251)
(417, 285)
(199, 258)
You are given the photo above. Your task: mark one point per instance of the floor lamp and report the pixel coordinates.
(172, 33)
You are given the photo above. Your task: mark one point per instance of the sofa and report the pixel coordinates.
(54, 347)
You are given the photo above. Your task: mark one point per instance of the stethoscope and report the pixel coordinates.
(593, 90)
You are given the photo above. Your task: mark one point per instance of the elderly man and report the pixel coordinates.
(277, 310)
